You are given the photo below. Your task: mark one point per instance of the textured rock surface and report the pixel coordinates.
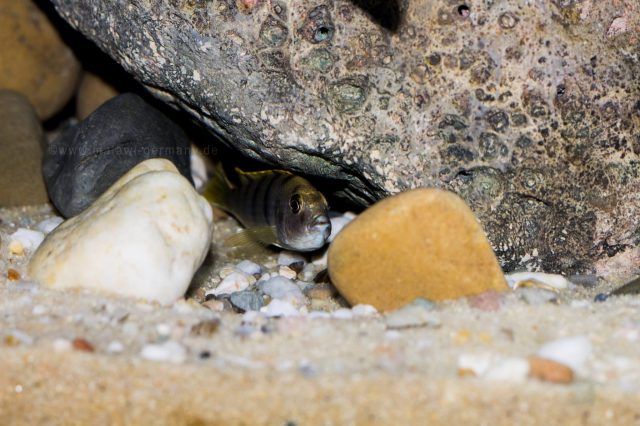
(21, 144)
(145, 238)
(33, 58)
(424, 243)
(529, 110)
(87, 159)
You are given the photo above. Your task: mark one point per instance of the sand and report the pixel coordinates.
(239, 369)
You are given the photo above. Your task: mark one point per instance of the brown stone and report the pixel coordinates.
(21, 143)
(33, 58)
(549, 371)
(421, 243)
(92, 93)
(82, 345)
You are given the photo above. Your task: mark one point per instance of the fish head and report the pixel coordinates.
(304, 220)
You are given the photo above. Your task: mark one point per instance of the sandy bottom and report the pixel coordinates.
(230, 368)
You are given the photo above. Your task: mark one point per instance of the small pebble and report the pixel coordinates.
(519, 279)
(601, 297)
(248, 267)
(363, 310)
(286, 258)
(13, 275)
(61, 345)
(285, 271)
(48, 225)
(308, 272)
(412, 315)
(509, 369)
(214, 305)
(169, 351)
(82, 345)
(342, 313)
(320, 261)
(339, 222)
(321, 291)
(235, 281)
(25, 240)
(488, 301)
(206, 327)
(571, 351)
(115, 347)
(550, 371)
(246, 301)
(475, 364)
(283, 289)
(536, 296)
(280, 308)
(163, 330)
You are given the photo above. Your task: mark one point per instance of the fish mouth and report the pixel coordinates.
(321, 225)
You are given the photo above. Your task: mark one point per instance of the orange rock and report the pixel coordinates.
(33, 58)
(421, 243)
(13, 275)
(83, 345)
(549, 371)
(92, 93)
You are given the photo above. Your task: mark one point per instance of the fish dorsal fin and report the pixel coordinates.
(218, 187)
(245, 177)
(254, 236)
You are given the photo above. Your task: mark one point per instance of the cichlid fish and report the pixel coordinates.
(275, 207)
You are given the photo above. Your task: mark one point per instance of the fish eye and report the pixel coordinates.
(295, 203)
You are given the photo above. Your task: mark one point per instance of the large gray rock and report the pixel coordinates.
(530, 110)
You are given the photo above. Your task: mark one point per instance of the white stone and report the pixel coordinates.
(144, 237)
(412, 315)
(169, 351)
(320, 260)
(61, 345)
(25, 240)
(48, 225)
(39, 310)
(283, 289)
(248, 267)
(279, 308)
(308, 273)
(286, 258)
(508, 369)
(235, 281)
(319, 315)
(163, 329)
(339, 222)
(115, 347)
(571, 351)
(363, 310)
(555, 281)
(478, 363)
(342, 313)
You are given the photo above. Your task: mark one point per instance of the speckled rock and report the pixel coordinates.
(87, 159)
(21, 145)
(34, 59)
(423, 243)
(528, 110)
(145, 238)
(92, 93)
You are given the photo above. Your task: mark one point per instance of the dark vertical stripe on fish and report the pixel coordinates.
(264, 198)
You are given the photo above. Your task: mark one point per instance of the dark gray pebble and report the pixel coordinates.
(88, 158)
(246, 301)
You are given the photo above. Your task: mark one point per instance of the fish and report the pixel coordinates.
(276, 207)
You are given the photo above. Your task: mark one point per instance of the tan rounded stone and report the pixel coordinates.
(92, 93)
(33, 58)
(21, 144)
(421, 243)
(548, 370)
